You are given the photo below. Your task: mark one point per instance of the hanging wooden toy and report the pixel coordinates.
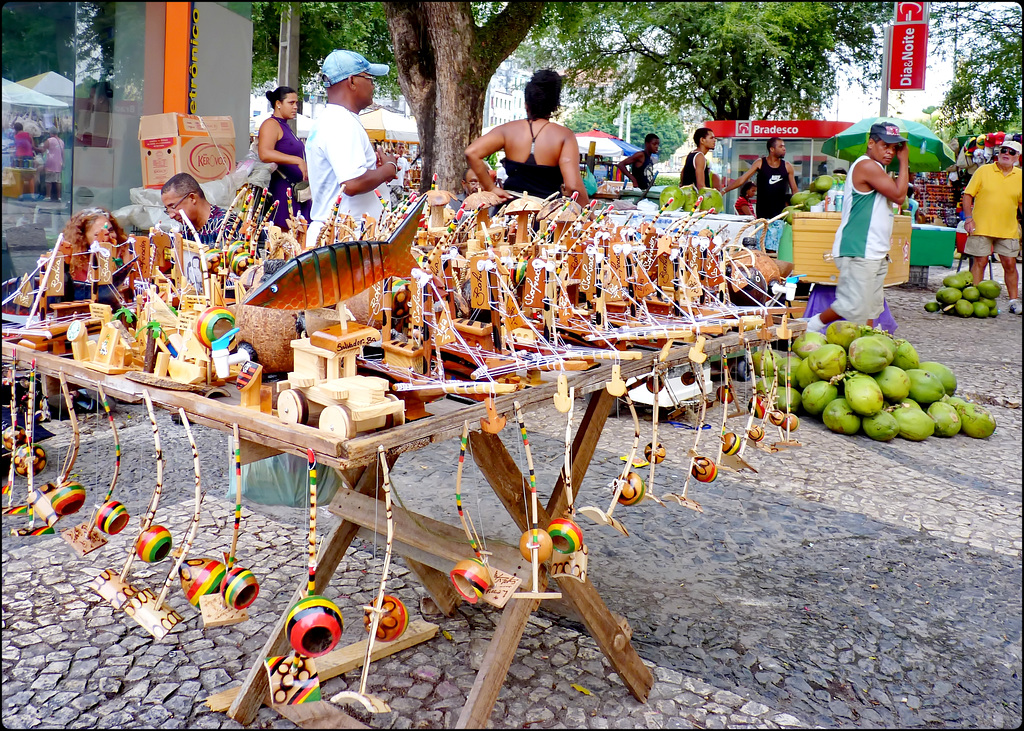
(372, 703)
(239, 587)
(705, 467)
(570, 561)
(535, 545)
(39, 505)
(313, 626)
(789, 421)
(628, 483)
(147, 608)
(112, 516)
(729, 448)
(654, 452)
(114, 586)
(471, 576)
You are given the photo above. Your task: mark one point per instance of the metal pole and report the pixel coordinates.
(288, 52)
(886, 42)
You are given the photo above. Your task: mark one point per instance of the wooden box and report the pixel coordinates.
(814, 234)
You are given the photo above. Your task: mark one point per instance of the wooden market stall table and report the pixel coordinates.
(430, 547)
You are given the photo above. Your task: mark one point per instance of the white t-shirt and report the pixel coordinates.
(337, 150)
(403, 166)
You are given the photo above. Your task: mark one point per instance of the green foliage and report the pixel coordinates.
(126, 314)
(984, 41)
(730, 60)
(651, 118)
(323, 27)
(666, 179)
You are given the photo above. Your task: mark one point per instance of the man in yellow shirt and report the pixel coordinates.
(994, 194)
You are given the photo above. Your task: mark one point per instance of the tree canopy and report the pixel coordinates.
(984, 41)
(730, 60)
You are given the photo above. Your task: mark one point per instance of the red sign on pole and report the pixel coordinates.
(908, 56)
(911, 13)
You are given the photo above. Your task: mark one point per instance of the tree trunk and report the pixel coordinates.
(444, 65)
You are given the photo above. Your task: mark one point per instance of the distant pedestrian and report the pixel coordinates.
(696, 170)
(639, 167)
(746, 199)
(992, 201)
(54, 164)
(776, 180)
(861, 248)
(24, 147)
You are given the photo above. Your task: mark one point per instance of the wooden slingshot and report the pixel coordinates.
(313, 625)
(38, 504)
(239, 587)
(626, 478)
(571, 554)
(493, 422)
(698, 464)
(372, 703)
(146, 608)
(113, 586)
(533, 541)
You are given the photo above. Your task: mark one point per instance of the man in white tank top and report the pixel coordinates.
(861, 247)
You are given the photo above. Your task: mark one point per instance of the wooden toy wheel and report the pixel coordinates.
(337, 420)
(293, 407)
(397, 418)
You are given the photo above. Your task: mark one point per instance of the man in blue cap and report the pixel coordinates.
(338, 151)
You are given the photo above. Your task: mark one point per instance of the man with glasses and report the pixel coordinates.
(182, 193)
(992, 200)
(338, 150)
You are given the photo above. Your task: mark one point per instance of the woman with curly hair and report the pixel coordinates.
(86, 226)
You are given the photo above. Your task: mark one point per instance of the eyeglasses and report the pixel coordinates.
(172, 209)
(1008, 151)
(368, 78)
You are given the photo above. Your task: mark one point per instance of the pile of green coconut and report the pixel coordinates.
(858, 379)
(959, 296)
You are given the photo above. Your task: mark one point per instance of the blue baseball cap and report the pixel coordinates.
(340, 65)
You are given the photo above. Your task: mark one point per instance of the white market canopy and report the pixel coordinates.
(381, 124)
(604, 147)
(18, 95)
(52, 84)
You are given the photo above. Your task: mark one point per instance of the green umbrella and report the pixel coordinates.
(927, 152)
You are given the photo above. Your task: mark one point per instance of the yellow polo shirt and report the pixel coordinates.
(996, 199)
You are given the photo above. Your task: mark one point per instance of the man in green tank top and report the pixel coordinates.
(861, 247)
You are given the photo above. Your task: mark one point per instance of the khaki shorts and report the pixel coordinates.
(859, 295)
(978, 245)
(51, 177)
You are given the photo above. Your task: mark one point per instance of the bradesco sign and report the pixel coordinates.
(908, 52)
(795, 128)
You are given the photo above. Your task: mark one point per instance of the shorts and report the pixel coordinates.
(51, 176)
(859, 295)
(978, 245)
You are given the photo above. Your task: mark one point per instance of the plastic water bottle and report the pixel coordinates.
(837, 196)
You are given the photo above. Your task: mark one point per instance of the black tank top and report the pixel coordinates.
(644, 172)
(689, 176)
(541, 181)
(772, 189)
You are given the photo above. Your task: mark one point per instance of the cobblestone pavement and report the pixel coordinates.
(848, 583)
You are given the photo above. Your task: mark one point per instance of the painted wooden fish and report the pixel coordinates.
(327, 275)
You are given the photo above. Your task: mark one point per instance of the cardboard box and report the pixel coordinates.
(175, 143)
(814, 234)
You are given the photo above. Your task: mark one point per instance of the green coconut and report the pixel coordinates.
(763, 385)
(915, 424)
(894, 384)
(765, 361)
(988, 302)
(808, 343)
(953, 400)
(827, 361)
(906, 355)
(816, 396)
(943, 372)
(972, 294)
(909, 403)
(964, 308)
(882, 427)
(787, 399)
(840, 418)
(925, 386)
(948, 295)
(993, 312)
(870, 354)
(947, 420)
(931, 306)
(975, 421)
(958, 279)
(864, 395)
(990, 288)
(803, 376)
(980, 309)
(842, 333)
